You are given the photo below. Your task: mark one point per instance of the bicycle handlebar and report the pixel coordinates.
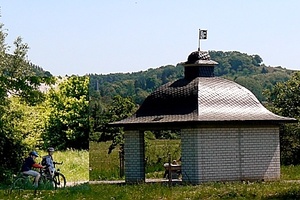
(57, 163)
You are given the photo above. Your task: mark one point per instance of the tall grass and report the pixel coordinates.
(75, 165)
(158, 152)
(104, 166)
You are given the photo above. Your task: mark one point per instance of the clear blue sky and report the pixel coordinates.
(109, 36)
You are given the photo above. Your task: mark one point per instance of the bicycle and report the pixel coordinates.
(26, 182)
(58, 179)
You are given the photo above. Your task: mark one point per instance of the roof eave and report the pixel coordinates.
(184, 124)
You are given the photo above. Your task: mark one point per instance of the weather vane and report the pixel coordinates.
(202, 36)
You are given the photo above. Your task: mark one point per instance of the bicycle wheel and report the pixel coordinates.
(22, 183)
(60, 180)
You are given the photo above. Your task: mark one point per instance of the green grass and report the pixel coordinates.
(75, 165)
(104, 166)
(290, 172)
(235, 190)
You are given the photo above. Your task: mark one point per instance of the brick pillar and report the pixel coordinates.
(189, 156)
(134, 154)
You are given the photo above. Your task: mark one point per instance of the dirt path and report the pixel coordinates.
(69, 184)
(118, 181)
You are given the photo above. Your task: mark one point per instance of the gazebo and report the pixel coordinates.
(226, 133)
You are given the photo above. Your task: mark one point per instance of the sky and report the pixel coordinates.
(119, 36)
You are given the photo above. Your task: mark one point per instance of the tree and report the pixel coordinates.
(28, 122)
(257, 60)
(16, 80)
(68, 121)
(119, 109)
(285, 99)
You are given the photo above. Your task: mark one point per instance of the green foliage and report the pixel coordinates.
(28, 122)
(16, 76)
(286, 97)
(17, 80)
(137, 85)
(236, 63)
(21, 126)
(119, 109)
(285, 101)
(68, 123)
(167, 134)
(158, 152)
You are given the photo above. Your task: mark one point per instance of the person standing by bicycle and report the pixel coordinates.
(48, 162)
(30, 163)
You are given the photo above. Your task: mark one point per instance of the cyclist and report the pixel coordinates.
(30, 163)
(48, 162)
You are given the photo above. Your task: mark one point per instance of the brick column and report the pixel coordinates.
(189, 156)
(134, 154)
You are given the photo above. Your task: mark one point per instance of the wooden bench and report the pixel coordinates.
(174, 169)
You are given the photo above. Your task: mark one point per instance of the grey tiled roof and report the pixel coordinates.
(204, 99)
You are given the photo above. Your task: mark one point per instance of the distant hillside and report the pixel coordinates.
(39, 71)
(242, 68)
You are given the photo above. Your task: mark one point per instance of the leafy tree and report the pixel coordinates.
(257, 60)
(285, 99)
(119, 109)
(12, 148)
(252, 84)
(68, 122)
(27, 121)
(17, 79)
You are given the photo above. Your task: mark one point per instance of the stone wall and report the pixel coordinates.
(228, 154)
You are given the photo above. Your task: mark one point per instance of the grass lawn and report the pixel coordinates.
(157, 191)
(75, 165)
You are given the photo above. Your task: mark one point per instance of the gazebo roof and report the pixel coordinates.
(200, 98)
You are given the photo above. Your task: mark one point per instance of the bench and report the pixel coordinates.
(174, 169)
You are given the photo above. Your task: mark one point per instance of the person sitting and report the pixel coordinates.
(30, 163)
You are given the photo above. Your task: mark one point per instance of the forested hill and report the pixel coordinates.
(39, 71)
(244, 69)
(35, 69)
